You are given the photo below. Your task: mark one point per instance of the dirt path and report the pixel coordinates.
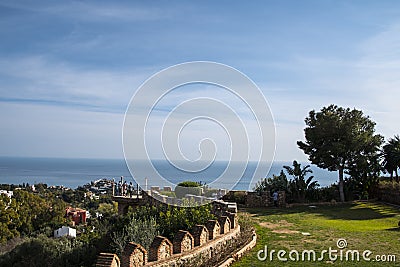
(280, 227)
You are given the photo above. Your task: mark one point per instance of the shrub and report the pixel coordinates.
(136, 230)
(189, 184)
(44, 251)
(169, 219)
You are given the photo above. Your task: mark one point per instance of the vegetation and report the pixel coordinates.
(391, 156)
(340, 139)
(337, 139)
(277, 182)
(145, 223)
(35, 215)
(44, 251)
(170, 219)
(27, 214)
(140, 231)
(298, 189)
(364, 225)
(189, 184)
(28, 219)
(300, 186)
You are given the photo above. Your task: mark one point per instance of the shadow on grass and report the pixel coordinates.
(346, 211)
(394, 229)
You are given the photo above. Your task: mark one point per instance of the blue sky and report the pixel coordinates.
(69, 68)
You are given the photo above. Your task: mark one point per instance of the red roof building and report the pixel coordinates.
(77, 215)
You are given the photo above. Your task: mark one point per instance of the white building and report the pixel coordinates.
(8, 193)
(65, 231)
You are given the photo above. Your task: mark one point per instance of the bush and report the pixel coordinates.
(140, 231)
(44, 251)
(236, 196)
(189, 184)
(277, 182)
(169, 219)
(389, 185)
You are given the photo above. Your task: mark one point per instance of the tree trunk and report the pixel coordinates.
(341, 184)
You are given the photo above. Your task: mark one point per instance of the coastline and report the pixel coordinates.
(73, 172)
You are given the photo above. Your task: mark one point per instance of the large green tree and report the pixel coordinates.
(337, 138)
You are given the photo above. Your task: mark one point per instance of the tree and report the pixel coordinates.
(27, 214)
(391, 156)
(300, 185)
(9, 218)
(337, 138)
(364, 173)
(277, 182)
(140, 231)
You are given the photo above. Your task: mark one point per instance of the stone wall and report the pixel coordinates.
(204, 245)
(134, 255)
(225, 224)
(200, 235)
(232, 218)
(183, 241)
(220, 208)
(142, 199)
(188, 250)
(160, 249)
(200, 255)
(213, 228)
(107, 260)
(255, 200)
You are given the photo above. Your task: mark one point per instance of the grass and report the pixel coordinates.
(364, 225)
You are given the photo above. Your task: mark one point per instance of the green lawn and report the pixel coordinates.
(364, 226)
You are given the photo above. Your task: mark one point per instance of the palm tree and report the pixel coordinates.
(300, 184)
(391, 156)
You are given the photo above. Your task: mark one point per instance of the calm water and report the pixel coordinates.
(75, 172)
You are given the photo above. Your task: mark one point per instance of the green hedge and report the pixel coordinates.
(189, 184)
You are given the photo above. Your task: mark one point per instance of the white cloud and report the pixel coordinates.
(36, 78)
(95, 11)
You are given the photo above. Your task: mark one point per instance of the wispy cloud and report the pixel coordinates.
(40, 81)
(94, 11)
(380, 68)
(90, 56)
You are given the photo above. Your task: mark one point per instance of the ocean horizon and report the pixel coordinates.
(74, 172)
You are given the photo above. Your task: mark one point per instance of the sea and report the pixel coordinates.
(76, 172)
